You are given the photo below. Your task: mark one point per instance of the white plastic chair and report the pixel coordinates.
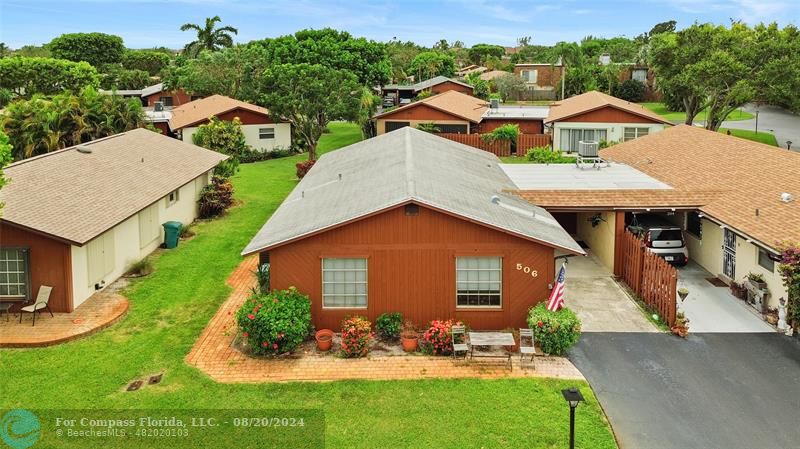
(42, 301)
(463, 346)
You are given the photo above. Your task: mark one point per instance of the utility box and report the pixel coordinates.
(172, 233)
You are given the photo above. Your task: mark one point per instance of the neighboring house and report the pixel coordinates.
(151, 95)
(595, 116)
(428, 231)
(472, 68)
(711, 185)
(637, 72)
(160, 120)
(488, 76)
(540, 76)
(455, 112)
(403, 94)
(260, 130)
(78, 218)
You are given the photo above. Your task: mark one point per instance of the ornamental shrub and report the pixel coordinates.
(544, 155)
(275, 323)
(631, 90)
(304, 167)
(508, 131)
(389, 325)
(216, 197)
(438, 338)
(554, 331)
(356, 336)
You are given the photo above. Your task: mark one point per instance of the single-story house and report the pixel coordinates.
(492, 74)
(455, 112)
(405, 93)
(78, 218)
(151, 95)
(540, 76)
(472, 68)
(413, 223)
(735, 199)
(260, 130)
(595, 116)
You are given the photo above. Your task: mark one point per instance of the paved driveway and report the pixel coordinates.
(782, 123)
(732, 391)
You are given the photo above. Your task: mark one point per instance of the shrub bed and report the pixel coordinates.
(389, 325)
(274, 323)
(438, 338)
(303, 168)
(555, 332)
(356, 336)
(544, 155)
(216, 197)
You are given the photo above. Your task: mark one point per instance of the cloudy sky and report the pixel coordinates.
(149, 23)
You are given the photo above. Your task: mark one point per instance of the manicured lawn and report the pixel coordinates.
(170, 308)
(762, 137)
(680, 116)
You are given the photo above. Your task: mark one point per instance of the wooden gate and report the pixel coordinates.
(649, 276)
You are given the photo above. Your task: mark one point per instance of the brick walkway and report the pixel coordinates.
(214, 354)
(98, 312)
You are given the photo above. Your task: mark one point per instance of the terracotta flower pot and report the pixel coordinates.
(680, 331)
(409, 342)
(324, 339)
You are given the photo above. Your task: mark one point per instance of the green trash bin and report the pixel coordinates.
(172, 233)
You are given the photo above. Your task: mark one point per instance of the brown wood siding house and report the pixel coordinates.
(450, 85)
(175, 98)
(412, 210)
(527, 126)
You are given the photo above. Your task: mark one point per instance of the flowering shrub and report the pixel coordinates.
(789, 269)
(275, 323)
(216, 197)
(438, 338)
(554, 331)
(356, 335)
(303, 168)
(389, 324)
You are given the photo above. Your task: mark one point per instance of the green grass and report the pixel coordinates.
(680, 116)
(170, 308)
(763, 137)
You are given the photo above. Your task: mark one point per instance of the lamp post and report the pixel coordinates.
(573, 397)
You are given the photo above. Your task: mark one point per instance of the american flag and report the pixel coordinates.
(556, 300)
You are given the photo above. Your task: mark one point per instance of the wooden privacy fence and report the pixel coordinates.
(649, 276)
(499, 148)
(527, 141)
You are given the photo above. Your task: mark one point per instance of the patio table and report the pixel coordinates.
(491, 339)
(5, 306)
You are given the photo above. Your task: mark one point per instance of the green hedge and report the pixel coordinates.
(555, 332)
(275, 323)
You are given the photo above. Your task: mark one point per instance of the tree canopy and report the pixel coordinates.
(95, 48)
(209, 37)
(25, 77)
(5, 159)
(432, 63)
(478, 53)
(151, 61)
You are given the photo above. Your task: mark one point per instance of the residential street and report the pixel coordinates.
(782, 123)
(710, 391)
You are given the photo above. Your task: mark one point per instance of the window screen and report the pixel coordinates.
(570, 138)
(266, 133)
(344, 283)
(632, 133)
(765, 261)
(478, 281)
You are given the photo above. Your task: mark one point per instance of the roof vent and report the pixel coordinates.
(83, 149)
(787, 197)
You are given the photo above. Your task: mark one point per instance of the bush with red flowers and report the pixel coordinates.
(303, 167)
(356, 336)
(438, 338)
(275, 323)
(554, 332)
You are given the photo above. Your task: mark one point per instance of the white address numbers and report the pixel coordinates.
(527, 270)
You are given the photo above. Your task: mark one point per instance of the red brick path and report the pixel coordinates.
(213, 353)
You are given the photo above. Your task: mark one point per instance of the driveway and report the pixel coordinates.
(732, 391)
(782, 123)
(714, 309)
(599, 301)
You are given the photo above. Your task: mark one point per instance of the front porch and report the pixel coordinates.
(98, 312)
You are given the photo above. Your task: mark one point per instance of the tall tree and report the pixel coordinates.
(25, 76)
(4, 51)
(568, 55)
(5, 159)
(209, 37)
(310, 96)
(233, 72)
(480, 52)
(432, 63)
(95, 48)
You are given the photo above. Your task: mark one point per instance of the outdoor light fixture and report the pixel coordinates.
(573, 397)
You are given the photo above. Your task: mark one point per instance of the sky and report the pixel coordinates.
(152, 23)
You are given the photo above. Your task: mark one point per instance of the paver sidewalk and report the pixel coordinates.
(214, 354)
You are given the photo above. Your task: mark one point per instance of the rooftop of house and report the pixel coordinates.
(455, 103)
(426, 84)
(77, 193)
(150, 90)
(492, 74)
(197, 111)
(752, 177)
(151, 115)
(517, 112)
(593, 100)
(569, 176)
(401, 167)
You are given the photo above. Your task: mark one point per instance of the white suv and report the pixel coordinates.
(665, 240)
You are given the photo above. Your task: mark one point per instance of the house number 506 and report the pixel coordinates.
(527, 270)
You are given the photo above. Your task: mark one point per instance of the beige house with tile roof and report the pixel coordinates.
(76, 219)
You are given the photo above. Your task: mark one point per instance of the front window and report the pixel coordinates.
(632, 133)
(14, 273)
(571, 138)
(639, 75)
(765, 260)
(479, 281)
(166, 101)
(172, 198)
(344, 283)
(530, 76)
(266, 133)
(391, 126)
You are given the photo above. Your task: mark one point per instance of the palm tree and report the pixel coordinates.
(569, 54)
(209, 37)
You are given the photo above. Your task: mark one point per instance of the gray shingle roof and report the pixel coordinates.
(426, 84)
(76, 196)
(405, 166)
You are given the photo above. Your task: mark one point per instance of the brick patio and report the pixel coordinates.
(214, 354)
(96, 313)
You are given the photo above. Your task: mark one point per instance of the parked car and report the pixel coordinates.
(661, 237)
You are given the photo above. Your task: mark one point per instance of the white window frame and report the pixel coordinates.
(530, 76)
(173, 197)
(500, 282)
(643, 78)
(24, 253)
(266, 133)
(365, 283)
(638, 131)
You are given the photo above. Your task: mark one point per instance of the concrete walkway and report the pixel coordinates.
(714, 309)
(599, 301)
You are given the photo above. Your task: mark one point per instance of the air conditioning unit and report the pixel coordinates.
(159, 106)
(588, 148)
(494, 103)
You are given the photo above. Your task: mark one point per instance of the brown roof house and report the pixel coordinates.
(406, 93)
(260, 130)
(595, 116)
(77, 218)
(410, 222)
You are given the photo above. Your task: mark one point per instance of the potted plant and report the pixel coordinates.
(757, 280)
(409, 337)
(324, 339)
(681, 326)
(772, 315)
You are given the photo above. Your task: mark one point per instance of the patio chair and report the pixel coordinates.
(463, 346)
(524, 349)
(42, 301)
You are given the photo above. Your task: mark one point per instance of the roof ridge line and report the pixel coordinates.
(64, 150)
(411, 189)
